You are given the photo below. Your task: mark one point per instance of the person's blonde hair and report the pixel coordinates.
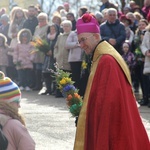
(138, 15)
(8, 110)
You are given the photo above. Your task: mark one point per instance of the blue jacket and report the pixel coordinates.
(115, 31)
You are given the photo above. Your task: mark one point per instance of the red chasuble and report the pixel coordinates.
(109, 119)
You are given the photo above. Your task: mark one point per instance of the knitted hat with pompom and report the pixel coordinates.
(9, 91)
(87, 23)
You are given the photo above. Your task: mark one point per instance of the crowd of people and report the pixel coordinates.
(124, 30)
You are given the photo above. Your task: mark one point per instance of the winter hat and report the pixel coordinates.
(124, 17)
(9, 91)
(87, 23)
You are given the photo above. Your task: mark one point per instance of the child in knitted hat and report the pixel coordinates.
(12, 122)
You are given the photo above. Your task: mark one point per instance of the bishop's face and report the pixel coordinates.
(87, 42)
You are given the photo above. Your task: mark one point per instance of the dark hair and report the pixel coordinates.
(70, 13)
(57, 28)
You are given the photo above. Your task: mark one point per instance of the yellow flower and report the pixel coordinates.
(39, 42)
(33, 43)
(63, 81)
(84, 65)
(68, 80)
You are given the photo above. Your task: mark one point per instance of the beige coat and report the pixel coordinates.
(40, 32)
(61, 53)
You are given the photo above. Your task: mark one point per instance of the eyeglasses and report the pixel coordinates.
(83, 39)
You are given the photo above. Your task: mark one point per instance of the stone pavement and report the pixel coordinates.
(145, 113)
(50, 123)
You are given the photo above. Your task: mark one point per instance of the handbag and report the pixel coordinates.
(3, 140)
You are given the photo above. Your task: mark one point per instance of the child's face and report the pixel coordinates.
(125, 48)
(24, 40)
(52, 30)
(15, 105)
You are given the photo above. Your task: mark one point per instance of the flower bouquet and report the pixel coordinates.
(65, 84)
(41, 45)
